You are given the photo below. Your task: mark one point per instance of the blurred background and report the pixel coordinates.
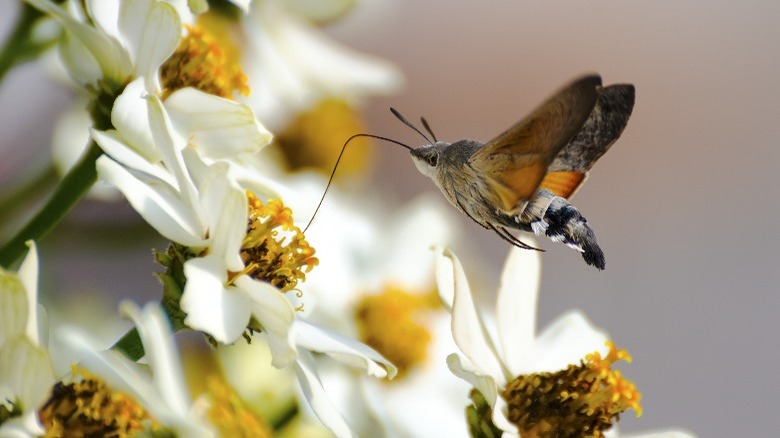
(685, 205)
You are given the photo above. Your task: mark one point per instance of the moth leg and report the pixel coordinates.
(507, 236)
(457, 199)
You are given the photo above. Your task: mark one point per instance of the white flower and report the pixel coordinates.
(292, 65)
(487, 366)
(163, 393)
(129, 39)
(26, 373)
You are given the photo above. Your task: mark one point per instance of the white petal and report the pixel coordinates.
(516, 307)
(275, 313)
(156, 202)
(211, 307)
(152, 30)
(28, 274)
(130, 116)
(483, 383)
(343, 349)
(445, 280)
(80, 64)
(156, 335)
(565, 341)
(25, 369)
(305, 370)
(225, 206)
(105, 15)
(169, 144)
(468, 329)
(71, 136)
(115, 146)
(219, 128)
(13, 307)
(113, 60)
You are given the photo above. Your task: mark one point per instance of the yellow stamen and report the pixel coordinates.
(275, 250)
(232, 415)
(315, 138)
(207, 59)
(394, 323)
(582, 400)
(87, 407)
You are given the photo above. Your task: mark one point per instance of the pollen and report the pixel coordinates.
(207, 59)
(274, 250)
(315, 137)
(581, 400)
(231, 414)
(394, 324)
(87, 407)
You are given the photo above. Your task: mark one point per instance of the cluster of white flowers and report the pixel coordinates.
(170, 128)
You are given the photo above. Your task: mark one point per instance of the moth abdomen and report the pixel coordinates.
(557, 219)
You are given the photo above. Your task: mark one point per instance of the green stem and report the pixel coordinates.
(73, 186)
(130, 345)
(284, 418)
(20, 46)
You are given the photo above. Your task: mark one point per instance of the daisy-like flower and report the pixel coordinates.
(163, 393)
(568, 398)
(557, 382)
(25, 368)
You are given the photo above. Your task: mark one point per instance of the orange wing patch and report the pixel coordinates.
(517, 185)
(563, 183)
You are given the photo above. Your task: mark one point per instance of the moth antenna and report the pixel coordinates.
(338, 160)
(409, 124)
(428, 128)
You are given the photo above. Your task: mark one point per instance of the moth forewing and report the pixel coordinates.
(518, 158)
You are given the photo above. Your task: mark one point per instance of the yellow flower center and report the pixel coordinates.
(87, 407)
(582, 400)
(232, 415)
(275, 250)
(316, 136)
(207, 59)
(394, 324)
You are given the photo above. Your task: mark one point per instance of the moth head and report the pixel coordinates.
(426, 158)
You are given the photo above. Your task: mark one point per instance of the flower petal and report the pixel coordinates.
(28, 274)
(468, 329)
(305, 370)
(211, 307)
(13, 307)
(516, 307)
(155, 332)
(115, 146)
(220, 128)
(225, 206)
(106, 51)
(343, 349)
(156, 202)
(275, 313)
(152, 30)
(25, 368)
(130, 116)
(565, 341)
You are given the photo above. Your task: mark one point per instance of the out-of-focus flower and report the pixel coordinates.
(291, 65)
(560, 380)
(163, 393)
(25, 368)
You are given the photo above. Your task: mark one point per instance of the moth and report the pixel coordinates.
(524, 178)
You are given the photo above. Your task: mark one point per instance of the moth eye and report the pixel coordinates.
(432, 159)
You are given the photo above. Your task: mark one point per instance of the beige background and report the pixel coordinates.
(685, 205)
